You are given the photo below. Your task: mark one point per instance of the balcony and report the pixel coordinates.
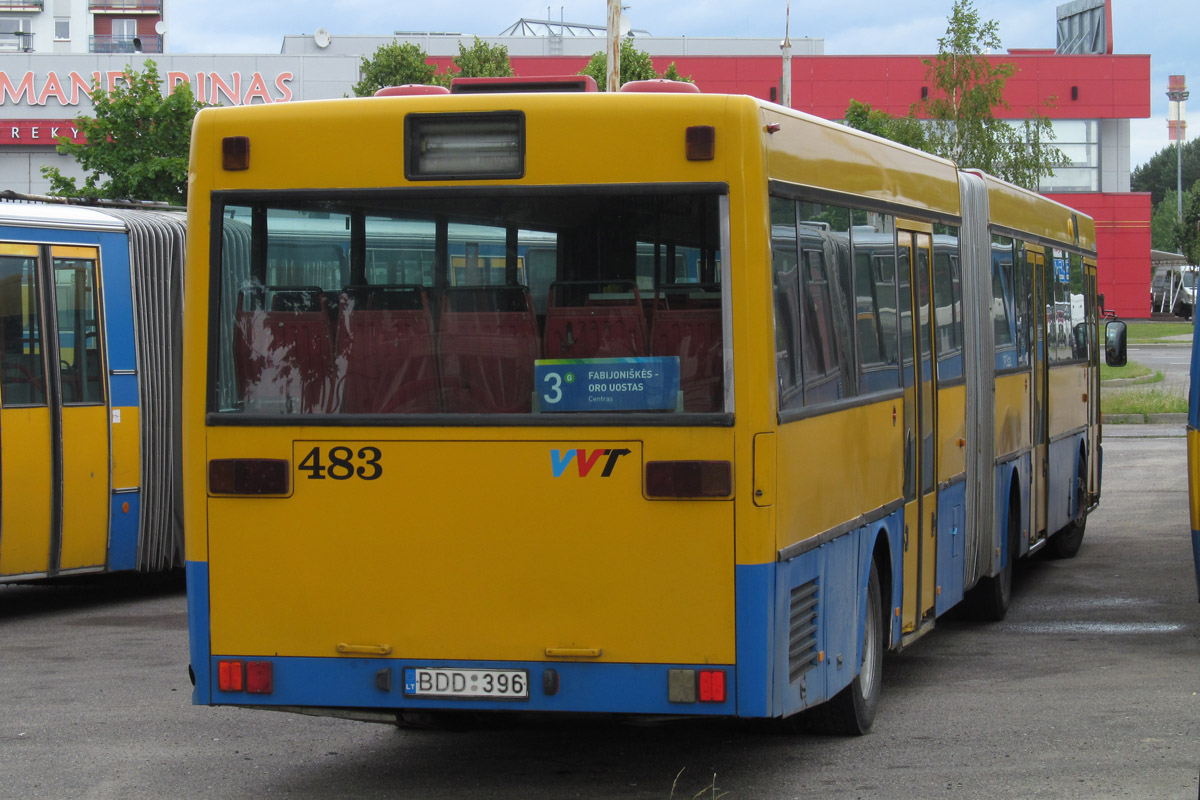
(123, 7)
(18, 42)
(150, 43)
(21, 5)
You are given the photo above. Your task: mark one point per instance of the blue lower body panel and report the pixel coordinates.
(951, 547)
(811, 667)
(1196, 559)
(123, 531)
(196, 573)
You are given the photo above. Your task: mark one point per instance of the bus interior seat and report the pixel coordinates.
(385, 346)
(688, 325)
(286, 352)
(595, 319)
(487, 344)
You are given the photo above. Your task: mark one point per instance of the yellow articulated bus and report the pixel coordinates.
(635, 403)
(90, 305)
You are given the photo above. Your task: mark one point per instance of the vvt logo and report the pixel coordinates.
(584, 460)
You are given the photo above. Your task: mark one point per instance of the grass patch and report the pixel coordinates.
(1142, 401)
(1152, 332)
(1132, 369)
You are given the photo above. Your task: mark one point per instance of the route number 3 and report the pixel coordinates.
(343, 464)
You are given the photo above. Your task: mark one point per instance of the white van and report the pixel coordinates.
(1173, 289)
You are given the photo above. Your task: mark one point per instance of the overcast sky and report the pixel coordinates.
(1168, 30)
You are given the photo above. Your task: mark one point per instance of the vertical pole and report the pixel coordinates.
(786, 47)
(1179, 177)
(614, 45)
(1177, 93)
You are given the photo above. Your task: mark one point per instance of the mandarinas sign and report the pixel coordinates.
(73, 88)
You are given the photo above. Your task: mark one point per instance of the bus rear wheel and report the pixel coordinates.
(990, 598)
(852, 710)
(1066, 543)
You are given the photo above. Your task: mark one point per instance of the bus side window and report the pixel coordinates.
(22, 376)
(947, 301)
(874, 244)
(785, 267)
(1003, 303)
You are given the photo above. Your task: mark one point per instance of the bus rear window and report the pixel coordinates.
(446, 303)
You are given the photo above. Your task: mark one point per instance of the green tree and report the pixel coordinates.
(1187, 235)
(137, 142)
(635, 66)
(394, 64)
(906, 130)
(1160, 174)
(482, 60)
(671, 73)
(1163, 223)
(966, 88)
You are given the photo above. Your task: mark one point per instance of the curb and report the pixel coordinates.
(1142, 419)
(1167, 419)
(1145, 380)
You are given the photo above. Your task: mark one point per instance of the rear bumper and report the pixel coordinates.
(380, 684)
(375, 683)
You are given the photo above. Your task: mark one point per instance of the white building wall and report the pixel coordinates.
(1114, 155)
(446, 44)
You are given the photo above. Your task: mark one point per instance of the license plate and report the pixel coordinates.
(466, 684)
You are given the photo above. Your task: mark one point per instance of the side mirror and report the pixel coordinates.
(1114, 343)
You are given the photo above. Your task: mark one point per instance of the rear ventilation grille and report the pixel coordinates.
(802, 638)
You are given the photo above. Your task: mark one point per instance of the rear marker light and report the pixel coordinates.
(259, 677)
(712, 686)
(230, 676)
(701, 143)
(252, 476)
(235, 153)
(689, 479)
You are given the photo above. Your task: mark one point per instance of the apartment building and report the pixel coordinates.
(82, 26)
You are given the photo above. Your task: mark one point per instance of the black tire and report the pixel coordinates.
(991, 597)
(852, 710)
(1066, 543)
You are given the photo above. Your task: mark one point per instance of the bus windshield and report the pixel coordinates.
(498, 302)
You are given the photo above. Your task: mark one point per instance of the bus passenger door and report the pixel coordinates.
(920, 474)
(1039, 469)
(25, 420)
(83, 412)
(1095, 343)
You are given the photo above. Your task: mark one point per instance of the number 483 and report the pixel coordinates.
(343, 464)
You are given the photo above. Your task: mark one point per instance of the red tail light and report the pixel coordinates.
(259, 677)
(712, 686)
